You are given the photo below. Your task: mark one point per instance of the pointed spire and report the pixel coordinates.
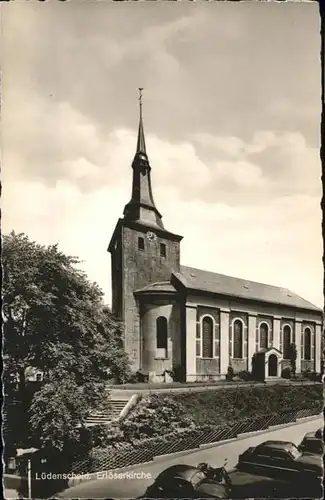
(141, 145)
(141, 207)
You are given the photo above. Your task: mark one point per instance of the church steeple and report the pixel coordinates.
(141, 145)
(141, 208)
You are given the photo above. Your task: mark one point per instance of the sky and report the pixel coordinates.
(231, 107)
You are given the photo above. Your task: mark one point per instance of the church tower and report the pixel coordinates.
(142, 250)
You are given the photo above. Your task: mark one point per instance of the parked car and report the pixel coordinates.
(186, 481)
(312, 443)
(320, 433)
(281, 459)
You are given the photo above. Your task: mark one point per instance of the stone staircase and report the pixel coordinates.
(110, 414)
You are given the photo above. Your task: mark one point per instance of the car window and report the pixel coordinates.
(313, 445)
(264, 456)
(197, 477)
(294, 452)
(262, 451)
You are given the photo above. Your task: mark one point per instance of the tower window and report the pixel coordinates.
(162, 249)
(140, 243)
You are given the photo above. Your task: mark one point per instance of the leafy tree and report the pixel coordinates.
(293, 358)
(56, 323)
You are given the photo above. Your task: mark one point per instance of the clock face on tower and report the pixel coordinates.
(151, 236)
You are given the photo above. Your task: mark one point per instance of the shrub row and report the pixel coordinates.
(218, 407)
(286, 373)
(305, 375)
(161, 414)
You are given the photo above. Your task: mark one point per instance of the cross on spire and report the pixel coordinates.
(140, 97)
(141, 145)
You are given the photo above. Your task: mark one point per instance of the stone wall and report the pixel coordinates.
(252, 314)
(239, 365)
(307, 365)
(140, 268)
(150, 359)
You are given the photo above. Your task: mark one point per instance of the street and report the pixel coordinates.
(130, 487)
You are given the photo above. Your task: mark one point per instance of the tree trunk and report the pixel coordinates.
(24, 407)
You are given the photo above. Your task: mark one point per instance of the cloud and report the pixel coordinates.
(57, 142)
(230, 146)
(196, 74)
(232, 139)
(268, 245)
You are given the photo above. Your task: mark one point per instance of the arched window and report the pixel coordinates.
(286, 341)
(307, 344)
(264, 336)
(238, 339)
(162, 336)
(207, 337)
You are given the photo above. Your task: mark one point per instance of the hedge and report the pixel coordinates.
(162, 414)
(218, 407)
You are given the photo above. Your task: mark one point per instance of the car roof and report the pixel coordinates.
(181, 471)
(311, 435)
(280, 445)
(313, 439)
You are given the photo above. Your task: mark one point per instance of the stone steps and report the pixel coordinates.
(100, 417)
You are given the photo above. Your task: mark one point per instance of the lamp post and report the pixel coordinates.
(29, 478)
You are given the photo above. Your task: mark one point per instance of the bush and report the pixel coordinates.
(245, 375)
(286, 373)
(178, 373)
(306, 374)
(103, 435)
(230, 374)
(152, 418)
(258, 368)
(312, 375)
(138, 377)
(169, 417)
(229, 404)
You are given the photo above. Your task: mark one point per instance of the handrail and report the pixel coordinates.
(133, 401)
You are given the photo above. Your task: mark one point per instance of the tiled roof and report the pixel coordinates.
(197, 279)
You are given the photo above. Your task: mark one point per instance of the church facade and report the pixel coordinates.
(192, 322)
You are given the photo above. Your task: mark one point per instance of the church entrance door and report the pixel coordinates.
(273, 365)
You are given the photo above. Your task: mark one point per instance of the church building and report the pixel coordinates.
(192, 322)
